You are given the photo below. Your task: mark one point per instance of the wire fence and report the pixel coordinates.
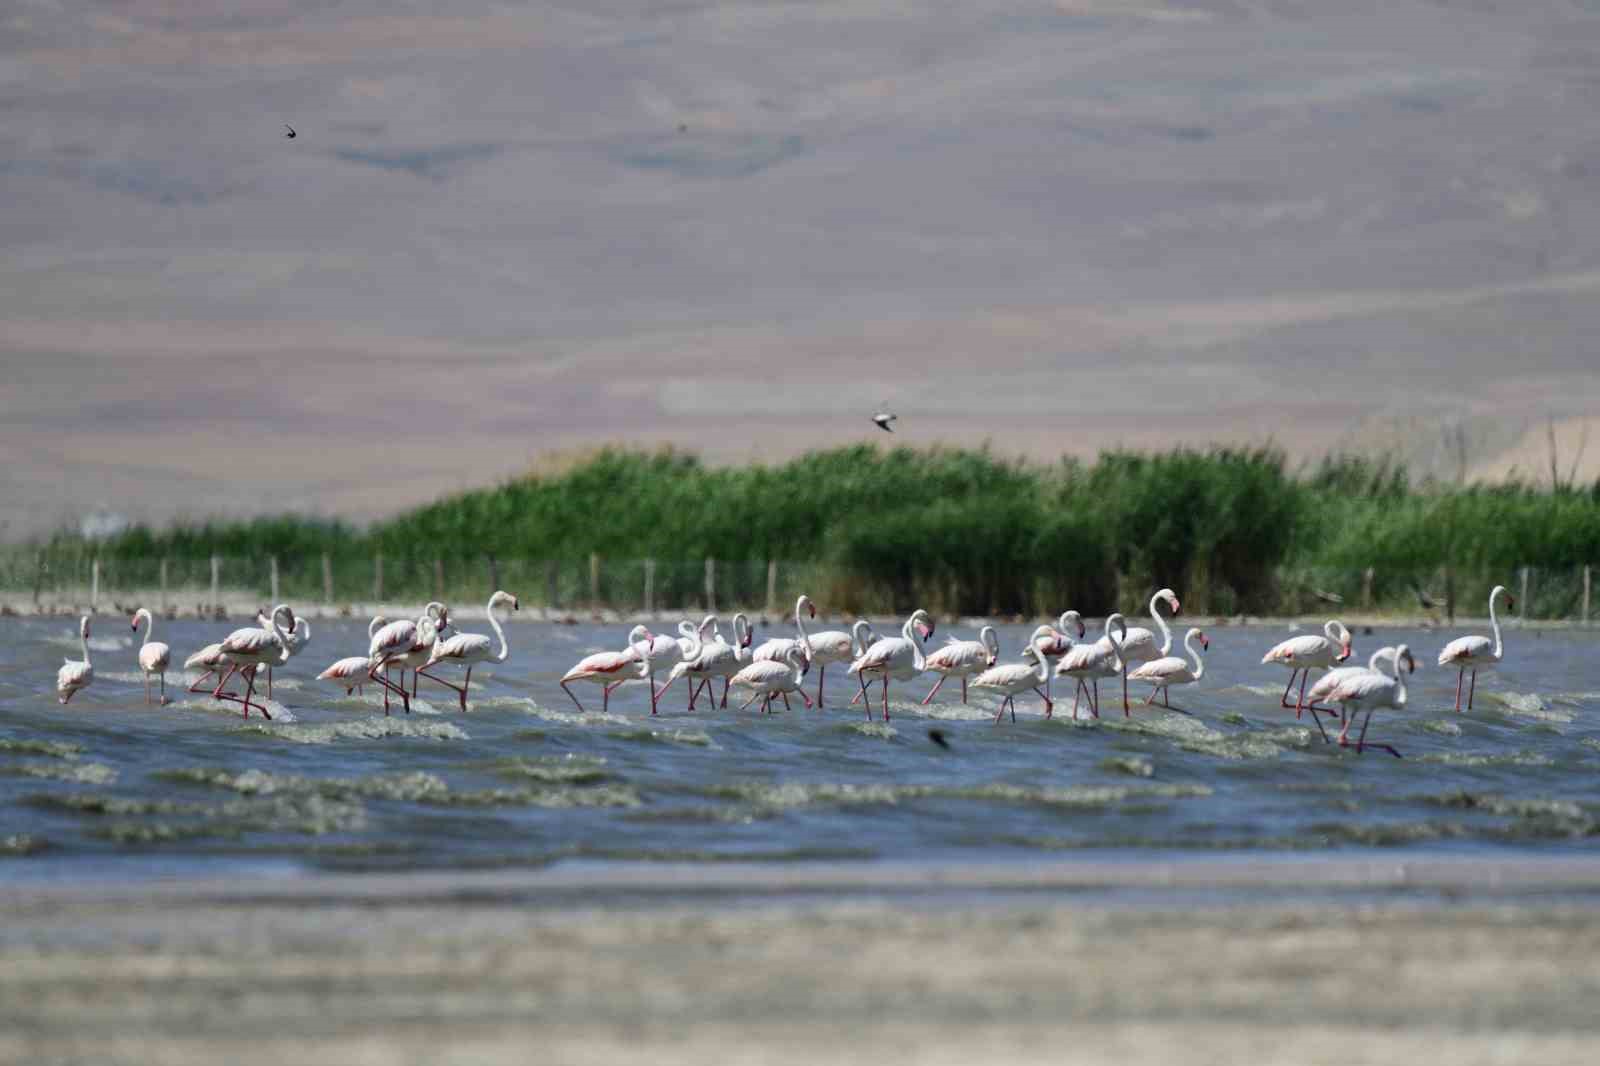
(71, 578)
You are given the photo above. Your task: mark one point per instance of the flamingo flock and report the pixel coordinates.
(700, 655)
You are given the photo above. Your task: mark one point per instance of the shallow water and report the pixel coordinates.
(109, 787)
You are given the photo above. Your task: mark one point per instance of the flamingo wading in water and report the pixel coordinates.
(1340, 674)
(1306, 653)
(247, 650)
(608, 669)
(1367, 691)
(350, 672)
(829, 646)
(1475, 652)
(895, 657)
(75, 675)
(469, 649)
(1171, 670)
(963, 658)
(767, 679)
(1013, 679)
(1087, 663)
(154, 656)
(717, 658)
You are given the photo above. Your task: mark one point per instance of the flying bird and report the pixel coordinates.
(291, 133)
(937, 736)
(883, 418)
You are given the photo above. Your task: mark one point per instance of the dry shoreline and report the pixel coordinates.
(1297, 960)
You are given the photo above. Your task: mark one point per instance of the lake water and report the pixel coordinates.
(108, 787)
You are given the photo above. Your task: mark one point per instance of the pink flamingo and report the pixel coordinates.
(962, 658)
(1473, 652)
(768, 679)
(895, 657)
(1339, 675)
(1013, 679)
(829, 646)
(1368, 690)
(608, 669)
(154, 657)
(717, 658)
(777, 648)
(350, 672)
(1090, 662)
(246, 651)
(432, 623)
(1171, 670)
(75, 676)
(1306, 653)
(691, 643)
(469, 649)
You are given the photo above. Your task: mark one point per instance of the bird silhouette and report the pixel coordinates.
(883, 418)
(291, 133)
(937, 736)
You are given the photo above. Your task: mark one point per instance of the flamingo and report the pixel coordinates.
(1013, 679)
(665, 651)
(209, 657)
(830, 646)
(299, 635)
(431, 624)
(1171, 670)
(768, 679)
(862, 637)
(717, 658)
(350, 672)
(1310, 652)
(1368, 690)
(962, 658)
(895, 657)
(153, 658)
(1140, 645)
(1473, 652)
(775, 649)
(247, 650)
(691, 642)
(1337, 676)
(1090, 662)
(1067, 631)
(607, 668)
(468, 649)
(391, 642)
(74, 675)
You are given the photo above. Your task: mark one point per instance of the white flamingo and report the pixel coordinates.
(1087, 663)
(665, 651)
(767, 679)
(246, 651)
(391, 642)
(1474, 652)
(1171, 670)
(1367, 691)
(777, 648)
(1013, 679)
(1067, 631)
(469, 649)
(963, 658)
(1306, 653)
(154, 656)
(1340, 674)
(691, 643)
(829, 646)
(717, 658)
(1141, 644)
(899, 658)
(349, 673)
(74, 677)
(299, 634)
(209, 657)
(432, 623)
(608, 669)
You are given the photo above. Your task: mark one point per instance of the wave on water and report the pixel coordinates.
(1529, 705)
(107, 644)
(21, 844)
(207, 705)
(1444, 727)
(794, 794)
(1499, 758)
(567, 769)
(377, 727)
(692, 737)
(586, 718)
(876, 730)
(57, 749)
(1133, 765)
(413, 787)
(85, 773)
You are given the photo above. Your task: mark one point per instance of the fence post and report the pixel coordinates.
(377, 577)
(94, 585)
(1522, 601)
(216, 581)
(438, 579)
(38, 578)
(772, 585)
(327, 578)
(711, 585)
(594, 580)
(272, 566)
(1586, 595)
(649, 587)
(552, 590)
(1450, 594)
(494, 574)
(1366, 589)
(163, 584)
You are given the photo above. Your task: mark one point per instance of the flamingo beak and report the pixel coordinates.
(1175, 608)
(1344, 653)
(811, 607)
(1081, 630)
(1511, 603)
(925, 630)
(1205, 643)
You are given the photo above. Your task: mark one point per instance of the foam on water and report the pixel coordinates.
(375, 728)
(87, 773)
(692, 737)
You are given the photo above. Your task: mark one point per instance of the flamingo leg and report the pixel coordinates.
(1148, 700)
(727, 682)
(753, 697)
(964, 689)
(886, 696)
(651, 681)
(1472, 688)
(147, 690)
(822, 672)
(803, 697)
(785, 701)
(1324, 732)
(1125, 712)
(1049, 706)
(1361, 741)
(269, 682)
(196, 686)
(380, 674)
(1284, 699)
(1300, 701)
(163, 688)
(570, 696)
(1461, 675)
(1002, 711)
(938, 686)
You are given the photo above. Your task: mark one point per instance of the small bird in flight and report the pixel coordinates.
(291, 133)
(937, 736)
(883, 418)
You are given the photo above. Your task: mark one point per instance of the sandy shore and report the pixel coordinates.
(1302, 961)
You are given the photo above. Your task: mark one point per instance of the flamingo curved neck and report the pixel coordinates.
(741, 633)
(279, 634)
(1116, 645)
(860, 637)
(1494, 620)
(798, 664)
(83, 642)
(1166, 634)
(1199, 663)
(505, 649)
(908, 632)
(1043, 660)
(149, 624)
(1399, 677)
(800, 624)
